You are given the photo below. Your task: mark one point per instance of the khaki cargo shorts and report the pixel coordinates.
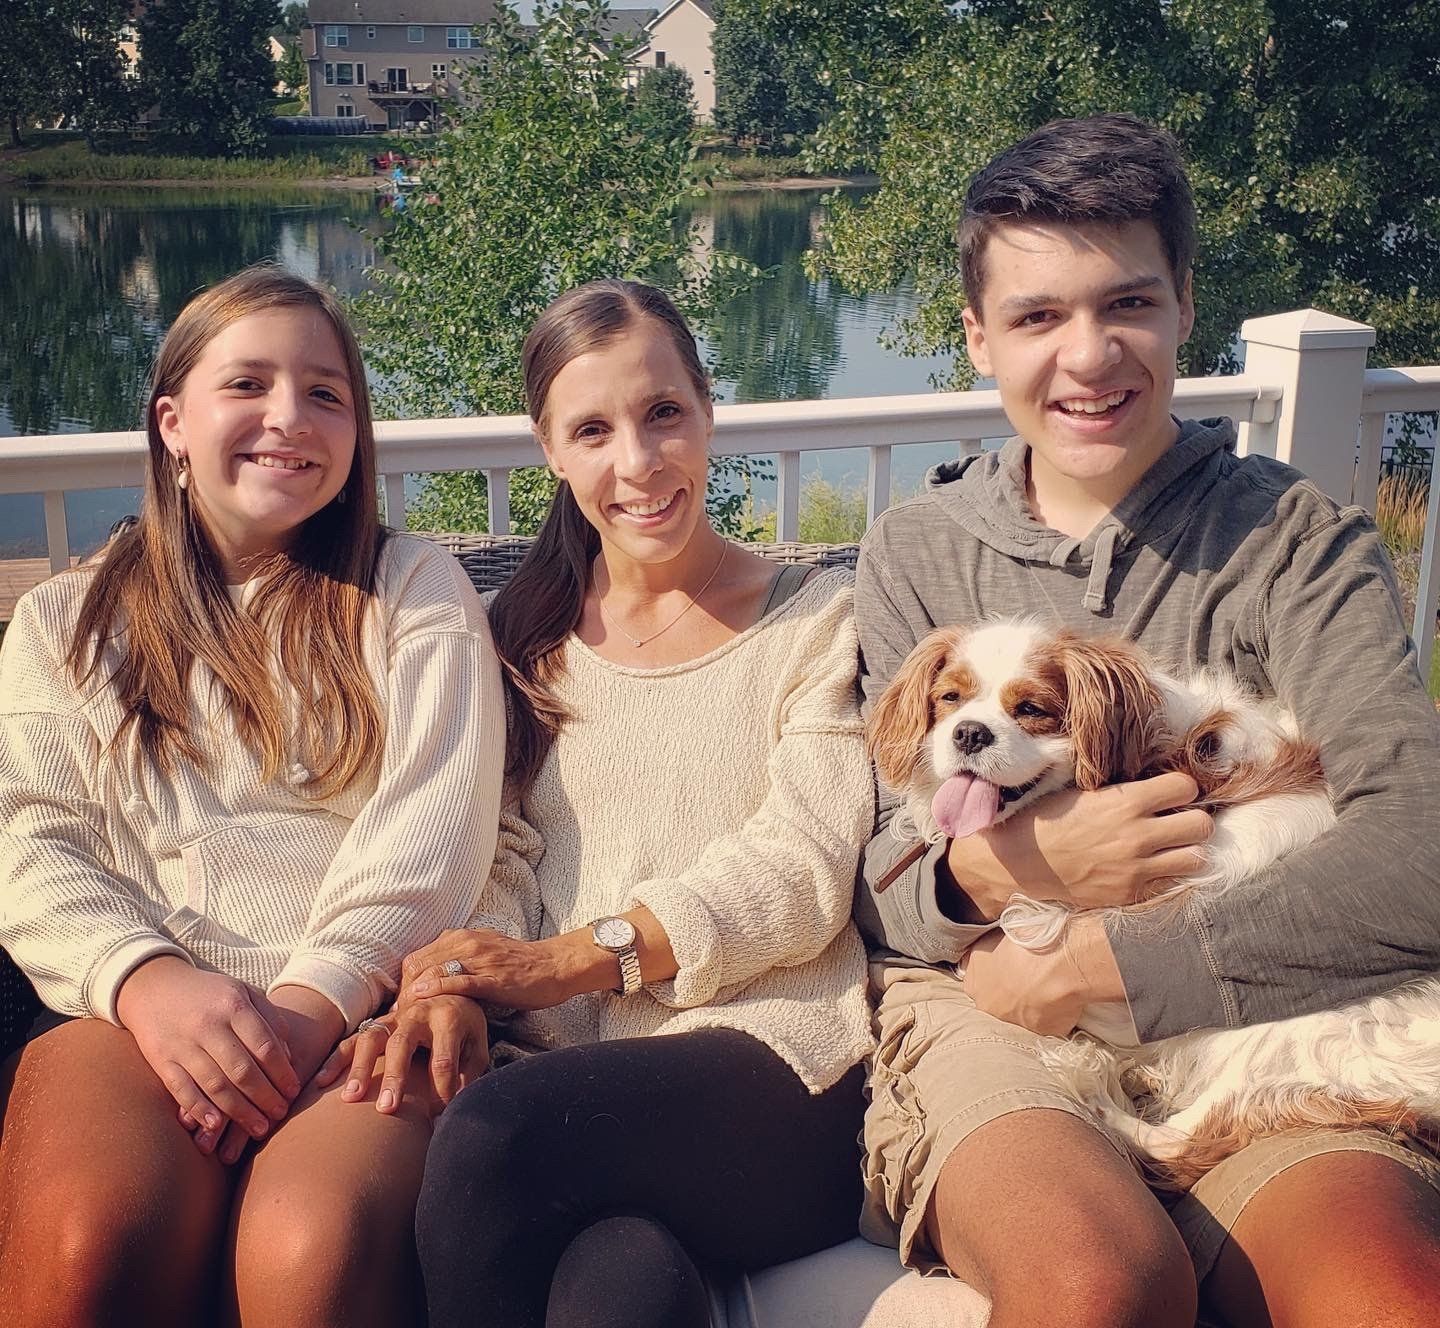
(943, 1069)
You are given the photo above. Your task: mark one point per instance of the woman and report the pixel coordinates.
(248, 759)
(689, 790)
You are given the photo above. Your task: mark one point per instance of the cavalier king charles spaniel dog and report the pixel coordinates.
(980, 723)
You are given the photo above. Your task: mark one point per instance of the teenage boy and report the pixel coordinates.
(1107, 515)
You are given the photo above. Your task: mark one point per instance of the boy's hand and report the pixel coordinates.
(1101, 849)
(1044, 991)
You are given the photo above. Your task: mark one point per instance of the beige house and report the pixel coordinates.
(390, 62)
(679, 34)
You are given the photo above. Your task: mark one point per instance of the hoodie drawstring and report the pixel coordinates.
(1097, 597)
(1063, 552)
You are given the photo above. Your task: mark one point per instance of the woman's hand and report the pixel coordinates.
(1045, 991)
(451, 1028)
(217, 1045)
(1100, 849)
(519, 975)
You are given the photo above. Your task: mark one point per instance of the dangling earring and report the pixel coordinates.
(340, 497)
(182, 479)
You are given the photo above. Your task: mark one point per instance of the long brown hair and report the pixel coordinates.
(541, 604)
(160, 590)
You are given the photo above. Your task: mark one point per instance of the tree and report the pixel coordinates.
(291, 73)
(206, 64)
(665, 102)
(544, 177)
(60, 61)
(762, 91)
(292, 19)
(1310, 133)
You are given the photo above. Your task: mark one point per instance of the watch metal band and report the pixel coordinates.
(629, 971)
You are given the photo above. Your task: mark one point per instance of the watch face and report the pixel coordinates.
(614, 933)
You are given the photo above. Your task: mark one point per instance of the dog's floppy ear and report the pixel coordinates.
(1113, 711)
(900, 720)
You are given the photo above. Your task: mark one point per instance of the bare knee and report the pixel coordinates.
(1339, 1239)
(1097, 1270)
(77, 1250)
(1042, 1215)
(317, 1254)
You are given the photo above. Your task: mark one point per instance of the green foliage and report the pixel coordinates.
(665, 102)
(762, 91)
(828, 514)
(292, 19)
(1310, 132)
(120, 158)
(290, 71)
(60, 60)
(542, 178)
(206, 64)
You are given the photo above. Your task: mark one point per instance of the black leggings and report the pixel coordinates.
(575, 1188)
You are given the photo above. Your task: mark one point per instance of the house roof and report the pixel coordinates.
(706, 7)
(453, 13)
(619, 23)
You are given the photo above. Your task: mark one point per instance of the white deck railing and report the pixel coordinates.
(1304, 391)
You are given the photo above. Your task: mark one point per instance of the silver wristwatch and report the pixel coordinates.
(618, 937)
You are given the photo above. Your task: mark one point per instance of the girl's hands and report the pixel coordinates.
(519, 975)
(451, 1028)
(217, 1045)
(1100, 849)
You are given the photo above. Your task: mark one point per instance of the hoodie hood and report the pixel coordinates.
(986, 495)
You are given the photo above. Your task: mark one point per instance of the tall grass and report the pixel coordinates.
(135, 159)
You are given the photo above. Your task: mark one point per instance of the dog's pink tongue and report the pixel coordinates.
(965, 803)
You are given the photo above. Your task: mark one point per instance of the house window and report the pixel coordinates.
(439, 72)
(345, 111)
(415, 32)
(397, 80)
(343, 74)
(370, 33)
(659, 59)
(337, 34)
(459, 39)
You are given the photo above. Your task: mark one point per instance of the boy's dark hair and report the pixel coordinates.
(1111, 168)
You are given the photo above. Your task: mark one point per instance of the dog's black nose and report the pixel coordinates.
(972, 736)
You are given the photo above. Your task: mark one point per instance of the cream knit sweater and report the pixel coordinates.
(105, 863)
(730, 795)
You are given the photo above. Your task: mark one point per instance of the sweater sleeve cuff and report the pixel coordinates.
(109, 975)
(495, 922)
(694, 940)
(907, 916)
(351, 994)
(1171, 980)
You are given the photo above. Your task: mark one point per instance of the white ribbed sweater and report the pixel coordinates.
(104, 862)
(730, 795)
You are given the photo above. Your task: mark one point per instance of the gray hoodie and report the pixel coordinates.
(1212, 560)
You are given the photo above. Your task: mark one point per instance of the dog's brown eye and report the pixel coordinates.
(950, 697)
(1030, 710)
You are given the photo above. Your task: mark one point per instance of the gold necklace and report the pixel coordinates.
(638, 641)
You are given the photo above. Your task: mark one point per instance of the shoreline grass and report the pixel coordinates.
(64, 158)
(57, 159)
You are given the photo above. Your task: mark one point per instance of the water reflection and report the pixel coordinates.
(89, 282)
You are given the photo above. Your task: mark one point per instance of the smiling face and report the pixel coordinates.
(266, 420)
(629, 430)
(1080, 326)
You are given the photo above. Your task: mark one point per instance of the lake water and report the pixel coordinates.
(90, 281)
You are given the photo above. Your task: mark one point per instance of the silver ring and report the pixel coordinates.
(452, 968)
(365, 1025)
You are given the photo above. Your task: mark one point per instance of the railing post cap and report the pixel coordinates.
(1306, 329)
